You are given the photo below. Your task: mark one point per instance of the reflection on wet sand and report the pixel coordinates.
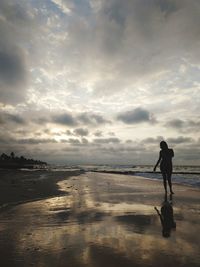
(166, 215)
(101, 221)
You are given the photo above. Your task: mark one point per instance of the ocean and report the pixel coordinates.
(187, 175)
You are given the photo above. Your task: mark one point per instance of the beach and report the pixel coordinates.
(94, 219)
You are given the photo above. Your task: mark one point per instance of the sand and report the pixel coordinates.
(97, 219)
(18, 186)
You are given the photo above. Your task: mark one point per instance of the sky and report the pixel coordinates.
(100, 81)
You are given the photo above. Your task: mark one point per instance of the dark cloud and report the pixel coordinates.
(194, 124)
(40, 120)
(92, 119)
(64, 119)
(76, 142)
(14, 19)
(189, 152)
(171, 140)
(68, 132)
(180, 140)
(11, 68)
(7, 117)
(14, 12)
(167, 6)
(107, 140)
(135, 116)
(73, 141)
(175, 123)
(81, 132)
(5, 139)
(184, 125)
(35, 141)
(98, 134)
(13, 76)
(12, 140)
(84, 141)
(85, 118)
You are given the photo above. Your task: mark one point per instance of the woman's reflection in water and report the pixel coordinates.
(167, 216)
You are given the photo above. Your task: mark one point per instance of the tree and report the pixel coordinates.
(12, 154)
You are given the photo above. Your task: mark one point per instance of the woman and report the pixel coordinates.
(165, 158)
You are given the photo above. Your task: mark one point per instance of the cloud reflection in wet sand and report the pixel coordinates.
(101, 221)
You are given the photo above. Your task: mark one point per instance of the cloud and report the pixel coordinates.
(64, 119)
(79, 68)
(25, 141)
(184, 125)
(152, 140)
(68, 132)
(84, 141)
(8, 117)
(170, 140)
(13, 76)
(135, 116)
(14, 20)
(73, 141)
(180, 140)
(131, 41)
(92, 119)
(107, 140)
(81, 132)
(5, 139)
(175, 123)
(35, 141)
(84, 118)
(98, 134)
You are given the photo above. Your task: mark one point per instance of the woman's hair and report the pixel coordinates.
(163, 145)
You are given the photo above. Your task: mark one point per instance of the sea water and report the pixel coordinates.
(187, 175)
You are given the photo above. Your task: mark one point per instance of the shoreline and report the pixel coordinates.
(157, 176)
(18, 187)
(22, 186)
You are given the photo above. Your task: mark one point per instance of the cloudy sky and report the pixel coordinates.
(100, 81)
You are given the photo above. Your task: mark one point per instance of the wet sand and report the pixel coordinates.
(18, 186)
(100, 220)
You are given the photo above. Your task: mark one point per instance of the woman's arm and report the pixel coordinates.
(157, 162)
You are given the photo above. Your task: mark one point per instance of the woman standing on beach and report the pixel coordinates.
(165, 157)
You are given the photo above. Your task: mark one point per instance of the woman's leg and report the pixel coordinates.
(164, 181)
(169, 175)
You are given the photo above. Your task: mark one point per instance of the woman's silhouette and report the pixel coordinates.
(165, 160)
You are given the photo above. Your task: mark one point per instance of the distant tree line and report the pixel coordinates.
(12, 159)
